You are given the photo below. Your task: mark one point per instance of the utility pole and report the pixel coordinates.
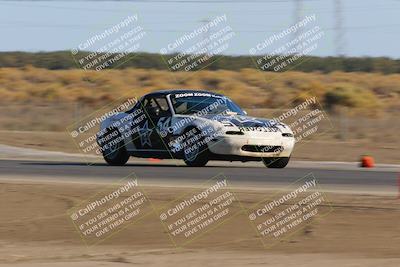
(339, 29)
(298, 10)
(206, 34)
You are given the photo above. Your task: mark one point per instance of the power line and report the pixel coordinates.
(32, 24)
(219, 1)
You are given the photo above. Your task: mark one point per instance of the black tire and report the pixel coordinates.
(116, 155)
(277, 163)
(200, 156)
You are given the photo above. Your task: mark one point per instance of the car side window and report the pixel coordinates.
(156, 107)
(163, 104)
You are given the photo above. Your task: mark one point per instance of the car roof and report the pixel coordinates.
(179, 91)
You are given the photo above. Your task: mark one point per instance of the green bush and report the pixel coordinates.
(350, 96)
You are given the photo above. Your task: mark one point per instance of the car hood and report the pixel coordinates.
(242, 121)
(246, 124)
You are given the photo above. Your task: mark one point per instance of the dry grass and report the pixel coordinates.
(370, 93)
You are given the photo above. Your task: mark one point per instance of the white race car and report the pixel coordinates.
(196, 126)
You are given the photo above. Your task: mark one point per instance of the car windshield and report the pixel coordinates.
(206, 103)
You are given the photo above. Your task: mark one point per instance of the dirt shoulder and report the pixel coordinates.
(36, 230)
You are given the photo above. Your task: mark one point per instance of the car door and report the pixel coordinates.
(157, 118)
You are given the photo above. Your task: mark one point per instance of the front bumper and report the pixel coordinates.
(234, 145)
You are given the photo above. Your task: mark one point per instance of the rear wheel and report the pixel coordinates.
(114, 152)
(195, 154)
(278, 163)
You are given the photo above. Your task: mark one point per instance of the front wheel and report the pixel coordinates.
(278, 163)
(195, 154)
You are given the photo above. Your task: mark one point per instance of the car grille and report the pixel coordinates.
(255, 148)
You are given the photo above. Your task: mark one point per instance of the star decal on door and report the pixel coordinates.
(145, 134)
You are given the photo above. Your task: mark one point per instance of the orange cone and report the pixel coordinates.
(367, 162)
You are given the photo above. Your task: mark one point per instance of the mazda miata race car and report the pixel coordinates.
(196, 126)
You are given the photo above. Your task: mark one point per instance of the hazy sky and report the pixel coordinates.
(370, 27)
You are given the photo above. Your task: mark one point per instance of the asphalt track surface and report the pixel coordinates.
(169, 174)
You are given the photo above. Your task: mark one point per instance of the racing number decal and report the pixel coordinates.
(162, 126)
(149, 138)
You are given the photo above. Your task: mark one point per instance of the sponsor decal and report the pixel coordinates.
(197, 94)
(260, 129)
